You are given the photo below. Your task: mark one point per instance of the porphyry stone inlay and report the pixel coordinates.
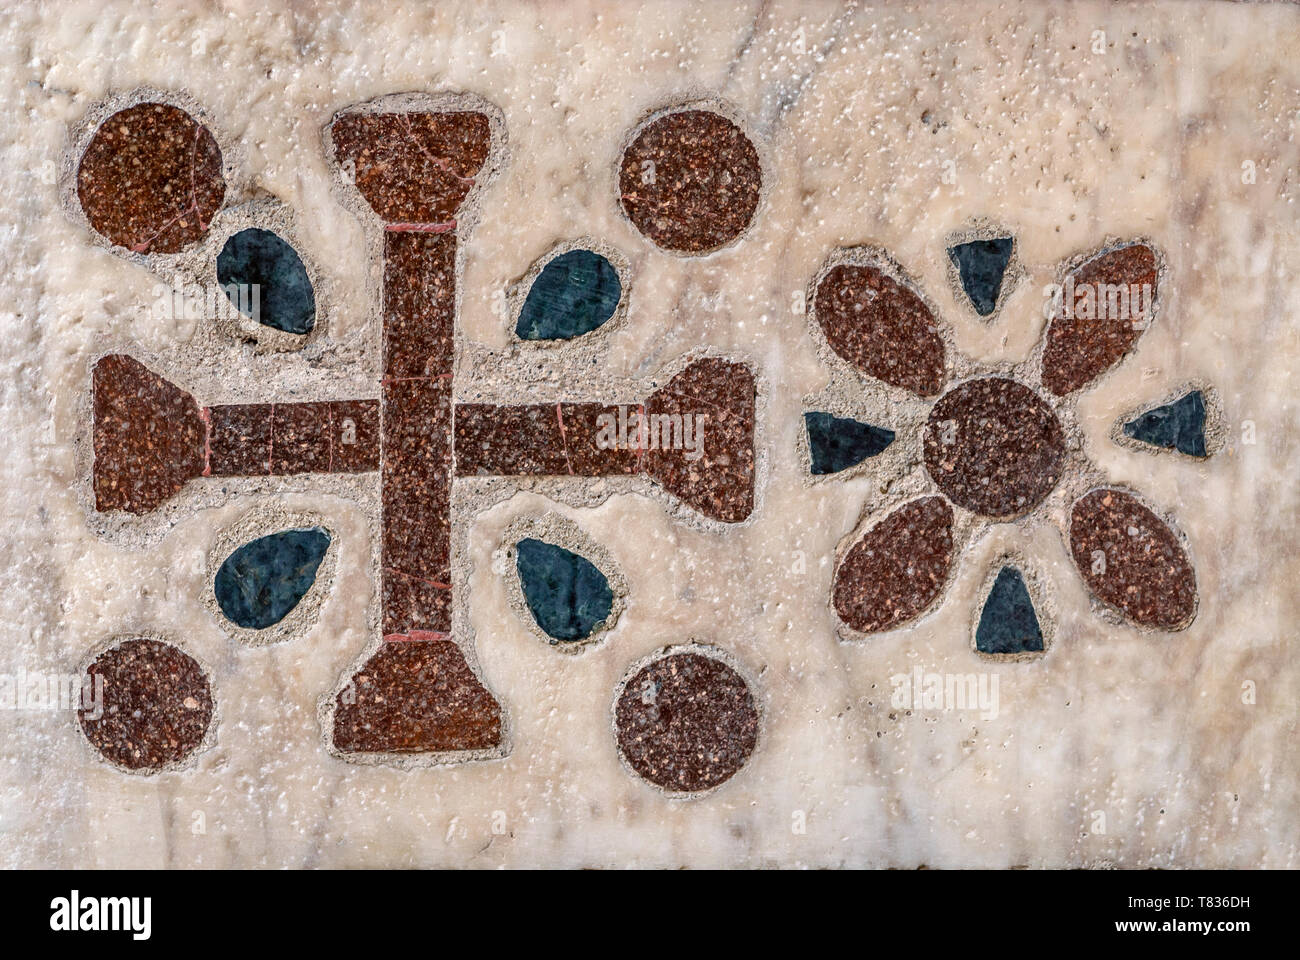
(155, 709)
(150, 179)
(997, 448)
(993, 446)
(686, 722)
(412, 169)
(691, 181)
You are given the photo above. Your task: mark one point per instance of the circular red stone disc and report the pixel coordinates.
(690, 181)
(686, 722)
(150, 180)
(156, 706)
(994, 446)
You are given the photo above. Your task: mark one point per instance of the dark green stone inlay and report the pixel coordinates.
(574, 294)
(568, 596)
(1008, 623)
(837, 443)
(981, 264)
(263, 580)
(259, 259)
(1175, 426)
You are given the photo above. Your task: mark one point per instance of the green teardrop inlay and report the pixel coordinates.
(566, 593)
(574, 294)
(265, 279)
(261, 582)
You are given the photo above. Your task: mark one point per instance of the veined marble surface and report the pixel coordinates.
(895, 125)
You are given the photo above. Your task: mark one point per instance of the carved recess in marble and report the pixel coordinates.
(996, 449)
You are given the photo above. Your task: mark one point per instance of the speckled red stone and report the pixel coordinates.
(354, 428)
(720, 397)
(419, 305)
(150, 179)
(881, 327)
(715, 476)
(416, 695)
(412, 600)
(156, 708)
(413, 168)
(416, 529)
(540, 439)
(148, 436)
(296, 437)
(993, 446)
(301, 438)
(690, 181)
(898, 567)
(239, 444)
(686, 722)
(1132, 560)
(1079, 349)
(151, 437)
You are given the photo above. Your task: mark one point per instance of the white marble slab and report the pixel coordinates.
(1117, 748)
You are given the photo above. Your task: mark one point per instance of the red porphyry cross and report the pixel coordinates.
(416, 693)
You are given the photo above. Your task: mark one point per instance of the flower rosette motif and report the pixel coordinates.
(997, 443)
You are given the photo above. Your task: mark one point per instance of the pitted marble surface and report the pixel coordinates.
(896, 126)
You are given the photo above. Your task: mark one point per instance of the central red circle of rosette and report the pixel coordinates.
(994, 446)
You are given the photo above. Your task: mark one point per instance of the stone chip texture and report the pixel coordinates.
(897, 568)
(720, 395)
(148, 436)
(416, 695)
(1132, 560)
(157, 705)
(686, 722)
(1079, 349)
(150, 179)
(993, 446)
(691, 181)
(881, 327)
(416, 167)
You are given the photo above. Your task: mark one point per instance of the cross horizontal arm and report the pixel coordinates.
(151, 437)
(539, 439)
(330, 436)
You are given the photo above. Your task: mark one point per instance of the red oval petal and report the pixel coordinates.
(881, 327)
(1131, 560)
(898, 567)
(1106, 304)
